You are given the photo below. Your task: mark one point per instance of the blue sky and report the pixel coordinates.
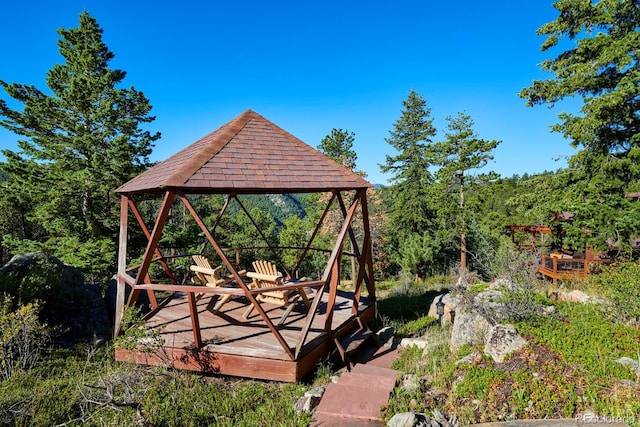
(310, 66)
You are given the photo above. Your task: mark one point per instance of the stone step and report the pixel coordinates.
(353, 401)
(364, 378)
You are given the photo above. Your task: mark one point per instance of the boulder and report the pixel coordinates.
(386, 336)
(414, 342)
(452, 302)
(471, 327)
(73, 308)
(410, 382)
(501, 341)
(492, 304)
(501, 284)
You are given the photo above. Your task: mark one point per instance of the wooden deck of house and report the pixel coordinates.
(562, 267)
(245, 348)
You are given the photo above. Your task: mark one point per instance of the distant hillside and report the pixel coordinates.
(280, 206)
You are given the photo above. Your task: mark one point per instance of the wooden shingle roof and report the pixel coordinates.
(249, 154)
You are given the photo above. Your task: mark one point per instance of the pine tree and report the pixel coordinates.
(410, 215)
(79, 141)
(461, 152)
(601, 67)
(338, 145)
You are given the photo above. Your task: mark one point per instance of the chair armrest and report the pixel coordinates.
(205, 270)
(265, 277)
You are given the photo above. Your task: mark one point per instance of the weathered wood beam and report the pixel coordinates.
(333, 262)
(334, 282)
(147, 233)
(215, 224)
(195, 322)
(310, 316)
(227, 291)
(161, 220)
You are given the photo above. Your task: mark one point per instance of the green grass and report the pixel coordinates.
(80, 386)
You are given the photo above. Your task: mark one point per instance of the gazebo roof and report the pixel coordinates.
(249, 154)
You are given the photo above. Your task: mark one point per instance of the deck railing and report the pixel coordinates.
(556, 268)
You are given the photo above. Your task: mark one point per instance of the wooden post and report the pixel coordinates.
(367, 249)
(195, 322)
(122, 264)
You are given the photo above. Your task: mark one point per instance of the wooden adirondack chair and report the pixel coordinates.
(209, 276)
(266, 275)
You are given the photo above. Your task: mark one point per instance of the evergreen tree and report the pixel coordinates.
(338, 145)
(77, 145)
(461, 152)
(601, 68)
(410, 214)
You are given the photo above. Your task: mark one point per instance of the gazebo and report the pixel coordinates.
(249, 155)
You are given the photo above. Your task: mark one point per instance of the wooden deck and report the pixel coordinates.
(556, 268)
(246, 348)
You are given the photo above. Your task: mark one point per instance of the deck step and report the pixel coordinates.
(357, 335)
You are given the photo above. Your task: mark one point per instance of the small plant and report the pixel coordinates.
(22, 337)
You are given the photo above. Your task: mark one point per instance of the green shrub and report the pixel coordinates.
(619, 284)
(22, 337)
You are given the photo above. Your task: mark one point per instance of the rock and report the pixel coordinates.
(501, 284)
(627, 384)
(470, 327)
(573, 296)
(503, 340)
(439, 416)
(404, 419)
(310, 401)
(410, 382)
(451, 303)
(413, 342)
(73, 308)
(633, 364)
(473, 359)
(492, 304)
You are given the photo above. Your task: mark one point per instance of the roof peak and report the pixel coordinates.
(251, 154)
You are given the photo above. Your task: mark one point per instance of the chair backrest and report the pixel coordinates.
(201, 261)
(267, 274)
(266, 267)
(211, 276)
